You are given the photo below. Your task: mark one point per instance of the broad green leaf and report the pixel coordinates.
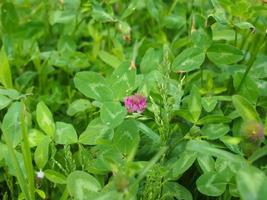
(79, 105)
(224, 54)
(122, 81)
(35, 137)
(93, 85)
(95, 131)
(185, 114)
(109, 59)
(9, 17)
(4, 101)
(65, 133)
(206, 163)
(11, 124)
(173, 189)
(251, 183)
(126, 137)
(112, 114)
(82, 185)
(211, 184)
(61, 17)
(213, 118)
(249, 89)
(201, 39)
(55, 177)
(183, 163)
(206, 148)
(41, 153)
(45, 119)
(209, 103)
(258, 68)
(189, 60)
(215, 131)
(244, 25)
(132, 7)
(99, 14)
(194, 103)
(150, 61)
(5, 71)
(244, 108)
(11, 93)
(41, 193)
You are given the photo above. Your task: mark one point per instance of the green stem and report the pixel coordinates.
(26, 151)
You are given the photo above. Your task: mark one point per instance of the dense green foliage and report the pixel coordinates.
(195, 70)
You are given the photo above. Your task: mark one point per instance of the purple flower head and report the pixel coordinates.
(135, 103)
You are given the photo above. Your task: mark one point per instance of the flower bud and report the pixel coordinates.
(253, 131)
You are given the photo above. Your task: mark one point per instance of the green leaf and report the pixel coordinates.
(172, 189)
(11, 124)
(41, 153)
(112, 114)
(9, 17)
(194, 103)
(185, 114)
(82, 185)
(150, 61)
(109, 59)
(10, 93)
(95, 131)
(99, 14)
(259, 153)
(211, 184)
(65, 133)
(61, 17)
(148, 132)
(183, 163)
(245, 109)
(79, 105)
(215, 131)
(244, 25)
(206, 148)
(4, 101)
(122, 81)
(206, 163)
(251, 183)
(209, 103)
(93, 85)
(249, 89)
(55, 177)
(189, 60)
(201, 39)
(35, 137)
(5, 72)
(213, 118)
(41, 193)
(126, 138)
(224, 54)
(45, 119)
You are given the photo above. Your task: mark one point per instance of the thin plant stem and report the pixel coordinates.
(26, 151)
